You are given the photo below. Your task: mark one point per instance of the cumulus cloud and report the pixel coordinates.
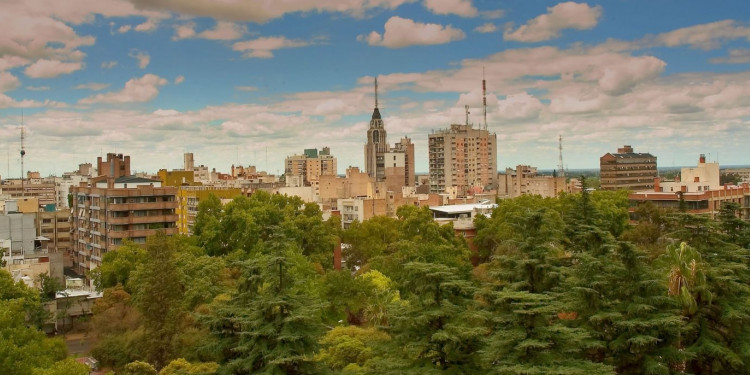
(463, 8)
(736, 56)
(140, 89)
(246, 88)
(403, 32)
(488, 27)
(263, 47)
(620, 78)
(263, 11)
(520, 106)
(151, 24)
(222, 31)
(93, 86)
(568, 15)
(38, 88)
(179, 79)
(142, 57)
(8, 82)
(705, 36)
(109, 64)
(51, 68)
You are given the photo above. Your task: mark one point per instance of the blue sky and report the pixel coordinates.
(234, 81)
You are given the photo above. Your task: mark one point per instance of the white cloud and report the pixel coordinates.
(109, 64)
(51, 68)
(151, 24)
(521, 106)
(38, 88)
(93, 86)
(179, 79)
(143, 58)
(619, 78)
(403, 32)
(222, 31)
(568, 15)
(263, 47)
(492, 14)
(124, 28)
(263, 11)
(463, 8)
(488, 27)
(8, 82)
(246, 88)
(736, 56)
(140, 89)
(705, 36)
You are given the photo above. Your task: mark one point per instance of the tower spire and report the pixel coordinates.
(561, 167)
(376, 92)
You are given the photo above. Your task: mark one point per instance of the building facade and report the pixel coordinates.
(463, 158)
(392, 165)
(114, 210)
(524, 180)
(306, 169)
(627, 170)
(189, 197)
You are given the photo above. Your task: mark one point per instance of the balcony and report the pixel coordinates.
(142, 219)
(142, 206)
(141, 232)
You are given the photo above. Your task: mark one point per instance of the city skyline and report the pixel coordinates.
(234, 81)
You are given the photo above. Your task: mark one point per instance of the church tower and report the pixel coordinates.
(377, 144)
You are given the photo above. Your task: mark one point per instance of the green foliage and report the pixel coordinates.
(49, 286)
(117, 266)
(438, 326)
(369, 239)
(181, 366)
(270, 325)
(67, 366)
(351, 347)
(23, 348)
(139, 368)
(158, 293)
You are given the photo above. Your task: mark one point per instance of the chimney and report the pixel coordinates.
(657, 187)
(337, 255)
(110, 182)
(702, 159)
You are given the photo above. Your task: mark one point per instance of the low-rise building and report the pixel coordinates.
(627, 170)
(524, 180)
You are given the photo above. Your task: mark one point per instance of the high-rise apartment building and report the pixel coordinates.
(112, 208)
(462, 158)
(395, 165)
(307, 168)
(626, 169)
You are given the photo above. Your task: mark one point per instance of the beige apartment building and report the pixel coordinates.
(626, 169)
(463, 158)
(115, 207)
(306, 169)
(524, 180)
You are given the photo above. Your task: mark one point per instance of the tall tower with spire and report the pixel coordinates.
(377, 143)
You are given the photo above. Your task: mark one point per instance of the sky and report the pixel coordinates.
(251, 82)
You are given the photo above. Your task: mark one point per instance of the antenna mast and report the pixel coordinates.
(467, 114)
(376, 92)
(484, 98)
(23, 153)
(561, 167)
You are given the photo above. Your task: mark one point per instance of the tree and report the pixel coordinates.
(117, 329)
(48, 287)
(117, 266)
(23, 347)
(621, 302)
(139, 368)
(351, 348)
(158, 294)
(439, 326)
(181, 366)
(708, 276)
(270, 325)
(529, 335)
(67, 366)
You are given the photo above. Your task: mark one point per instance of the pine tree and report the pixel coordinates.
(529, 336)
(709, 277)
(439, 326)
(270, 326)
